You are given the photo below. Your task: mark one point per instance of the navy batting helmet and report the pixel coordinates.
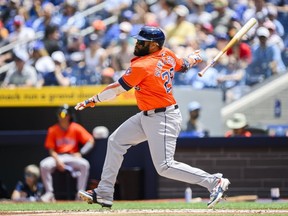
(151, 33)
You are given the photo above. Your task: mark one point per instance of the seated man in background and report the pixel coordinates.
(238, 126)
(194, 127)
(62, 142)
(30, 189)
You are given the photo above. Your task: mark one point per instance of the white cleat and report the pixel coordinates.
(218, 191)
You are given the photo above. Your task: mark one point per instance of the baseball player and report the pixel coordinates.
(150, 73)
(62, 141)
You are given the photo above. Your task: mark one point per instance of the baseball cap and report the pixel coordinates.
(237, 121)
(181, 10)
(125, 26)
(45, 64)
(32, 169)
(194, 105)
(18, 20)
(98, 25)
(262, 31)
(63, 111)
(21, 55)
(58, 56)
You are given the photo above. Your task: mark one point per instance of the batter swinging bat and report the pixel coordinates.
(235, 39)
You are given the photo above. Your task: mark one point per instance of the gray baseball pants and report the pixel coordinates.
(48, 165)
(161, 131)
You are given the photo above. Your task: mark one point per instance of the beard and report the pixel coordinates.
(141, 52)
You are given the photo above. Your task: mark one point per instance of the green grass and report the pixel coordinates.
(82, 206)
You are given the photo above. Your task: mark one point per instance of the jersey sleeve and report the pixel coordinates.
(132, 77)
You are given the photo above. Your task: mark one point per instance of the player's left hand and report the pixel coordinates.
(196, 57)
(87, 103)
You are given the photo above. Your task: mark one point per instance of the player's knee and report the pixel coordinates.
(162, 169)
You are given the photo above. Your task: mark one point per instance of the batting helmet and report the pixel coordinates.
(151, 33)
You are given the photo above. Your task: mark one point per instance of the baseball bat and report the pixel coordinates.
(235, 39)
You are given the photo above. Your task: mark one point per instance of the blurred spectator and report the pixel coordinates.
(164, 9)
(69, 17)
(41, 60)
(115, 7)
(256, 8)
(59, 76)
(198, 14)
(62, 142)
(107, 76)
(121, 55)
(21, 74)
(51, 39)
(266, 60)
(178, 32)
(273, 15)
(4, 57)
(116, 32)
(30, 190)
(221, 15)
(194, 127)
(45, 18)
(21, 33)
(274, 38)
(75, 41)
(231, 78)
(9, 11)
(238, 126)
(94, 55)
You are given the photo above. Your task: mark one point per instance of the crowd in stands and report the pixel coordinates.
(64, 55)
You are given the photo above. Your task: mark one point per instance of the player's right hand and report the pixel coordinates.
(196, 56)
(87, 103)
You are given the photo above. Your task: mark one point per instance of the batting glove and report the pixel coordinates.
(87, 103)
(196, 56)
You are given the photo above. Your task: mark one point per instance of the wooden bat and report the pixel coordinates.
(235, 39)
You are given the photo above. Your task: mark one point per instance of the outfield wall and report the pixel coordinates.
(254, 165)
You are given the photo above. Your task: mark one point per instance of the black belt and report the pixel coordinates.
(162, 109)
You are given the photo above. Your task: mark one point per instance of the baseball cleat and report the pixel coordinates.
(218, 192)
(91, 197)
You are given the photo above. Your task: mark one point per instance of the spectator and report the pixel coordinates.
(121, 55)
(94, 55)
(178, 32)
(194, 126)
(45, 19)
(62, 143)
(274, 38)
(51, 39)
(70, 17)
(231, 78)
(59, 76)
(21, 33)
(273, 16)
(107, 76)
(237, 126)
(266, 60)
(21, 74)
(31, 189)
(221, 15)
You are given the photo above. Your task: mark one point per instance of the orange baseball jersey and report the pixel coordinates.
(152, 75)
(63, 141)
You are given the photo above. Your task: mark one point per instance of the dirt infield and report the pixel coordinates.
(181, 212)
